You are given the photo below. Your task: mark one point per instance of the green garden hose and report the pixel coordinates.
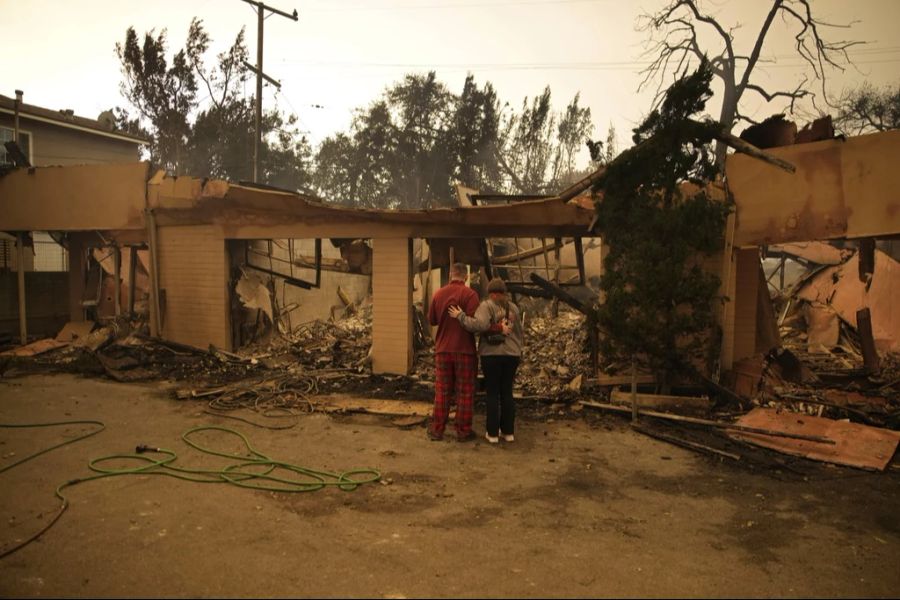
(253, 470)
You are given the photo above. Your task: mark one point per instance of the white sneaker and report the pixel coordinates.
(508, 437)
(492, 439)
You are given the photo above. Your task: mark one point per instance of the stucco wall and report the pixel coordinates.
(193, 281)
(391, 305)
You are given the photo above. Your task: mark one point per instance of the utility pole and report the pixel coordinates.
(20, 245)
(260, 14)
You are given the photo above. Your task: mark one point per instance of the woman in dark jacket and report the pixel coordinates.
(500, 344)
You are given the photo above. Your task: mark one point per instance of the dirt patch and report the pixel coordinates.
(578, 506)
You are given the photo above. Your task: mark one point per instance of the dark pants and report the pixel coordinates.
(499, 374)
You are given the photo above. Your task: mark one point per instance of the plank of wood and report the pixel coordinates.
(610, 380)
(375, 406)
(35, 348)
(720, 424)
(74, 330)
(685, 443)
(695, 403)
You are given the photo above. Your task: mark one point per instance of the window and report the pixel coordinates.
(48, 255)
(45, 255)
(6, 135)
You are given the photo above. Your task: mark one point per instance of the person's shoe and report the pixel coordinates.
(492, 439)
(434, 437)
(466, 437)
(507, 437)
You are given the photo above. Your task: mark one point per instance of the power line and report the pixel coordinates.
(369, 7)
(586, 66)
(294, 111)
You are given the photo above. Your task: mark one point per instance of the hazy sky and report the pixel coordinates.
(341, 54)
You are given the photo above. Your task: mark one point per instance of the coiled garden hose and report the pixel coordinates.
(253, 470)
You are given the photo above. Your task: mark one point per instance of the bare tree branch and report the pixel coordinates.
(674, 42)
(757, 47)
(810, 45)
(797, 94)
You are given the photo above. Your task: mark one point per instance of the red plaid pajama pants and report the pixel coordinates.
(454, 378)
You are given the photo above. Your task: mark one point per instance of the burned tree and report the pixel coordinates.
(659, 299)
(867, 109)
(675, 44)
(187, 138)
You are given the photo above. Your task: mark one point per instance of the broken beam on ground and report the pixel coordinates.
(693, 403)
(720, 424)
(684, 443)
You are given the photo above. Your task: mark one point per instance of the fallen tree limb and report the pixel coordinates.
(751, 150)
(720, 424)
(578, 187)
(558, 292)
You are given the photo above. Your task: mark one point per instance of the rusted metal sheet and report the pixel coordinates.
(854, 445)
(822, 327)
(840, 189)
(820, 253)
(840, 288)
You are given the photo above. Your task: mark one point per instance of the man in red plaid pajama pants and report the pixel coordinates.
(455, 363)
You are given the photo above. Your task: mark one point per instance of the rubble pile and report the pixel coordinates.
(337, 354)
(341, 344)
(787, 381)
(820, 369)
(269, 393)
(334, 355)
(556, 358)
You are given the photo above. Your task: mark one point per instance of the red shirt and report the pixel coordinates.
(451, 337)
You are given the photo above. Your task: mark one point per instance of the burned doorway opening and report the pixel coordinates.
(280, 286)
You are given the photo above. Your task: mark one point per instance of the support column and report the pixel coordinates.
(20, 272)
(155, 318)
(117, 275)
(76, 277)
(726, 292)
(746, 290)
(132, 275)
(392, 348)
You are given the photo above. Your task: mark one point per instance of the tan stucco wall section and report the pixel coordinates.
(193, 278)
(841, 188)
(391, 305)
(78, 198)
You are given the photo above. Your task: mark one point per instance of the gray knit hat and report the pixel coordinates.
(497, 286)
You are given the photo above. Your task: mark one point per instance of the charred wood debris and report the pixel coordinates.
(288, 373)
(821, 366)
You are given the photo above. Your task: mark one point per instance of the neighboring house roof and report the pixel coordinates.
(66, 119)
